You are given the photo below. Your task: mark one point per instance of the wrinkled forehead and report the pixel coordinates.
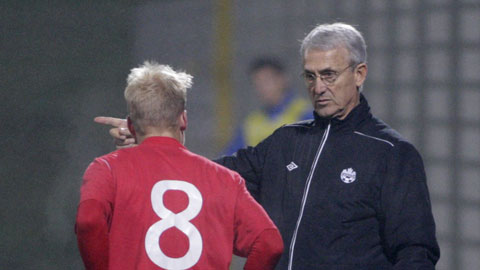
(318, 59)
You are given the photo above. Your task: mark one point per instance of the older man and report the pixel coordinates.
(345, 190)
(159, 206)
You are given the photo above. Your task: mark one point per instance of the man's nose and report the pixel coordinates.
(319, 87)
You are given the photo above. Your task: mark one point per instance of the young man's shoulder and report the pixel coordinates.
(117, 155)
(213, 167)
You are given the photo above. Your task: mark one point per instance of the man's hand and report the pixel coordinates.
(120, 133)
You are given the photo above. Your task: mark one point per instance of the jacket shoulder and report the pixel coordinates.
(301, 124)
(286, 131)
(378, 130)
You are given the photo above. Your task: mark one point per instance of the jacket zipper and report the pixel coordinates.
(305, 194)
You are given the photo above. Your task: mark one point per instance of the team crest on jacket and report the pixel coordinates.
(348, 175)
(292, 166)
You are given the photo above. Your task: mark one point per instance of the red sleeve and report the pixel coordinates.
(92, 235)
(98, 183)
(251, 221)
(266, 251)
(94, 214)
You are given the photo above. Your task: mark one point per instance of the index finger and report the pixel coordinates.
(112, 121)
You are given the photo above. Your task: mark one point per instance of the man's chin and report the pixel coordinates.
(325, 113)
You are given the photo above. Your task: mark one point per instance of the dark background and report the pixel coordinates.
(55, 56)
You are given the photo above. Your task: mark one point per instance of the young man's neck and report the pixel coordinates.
(155, 132)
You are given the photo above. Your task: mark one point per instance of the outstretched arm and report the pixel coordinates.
(119, 130)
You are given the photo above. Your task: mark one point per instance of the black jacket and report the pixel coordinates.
(345, 194)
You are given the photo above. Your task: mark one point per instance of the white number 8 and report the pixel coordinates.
(181, 221)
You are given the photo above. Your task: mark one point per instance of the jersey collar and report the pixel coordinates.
(161, 140)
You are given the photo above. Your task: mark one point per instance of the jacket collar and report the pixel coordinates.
(359, 114)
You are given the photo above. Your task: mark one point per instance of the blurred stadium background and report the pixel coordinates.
(64, 62)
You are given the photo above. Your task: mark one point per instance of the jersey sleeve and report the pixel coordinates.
(98, 183)
(266, 251)
(92, 235)
(250, 221)
(94, 214)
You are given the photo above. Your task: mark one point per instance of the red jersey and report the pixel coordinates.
(168, 208)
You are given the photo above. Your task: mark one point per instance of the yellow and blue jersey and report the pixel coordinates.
(261, 123)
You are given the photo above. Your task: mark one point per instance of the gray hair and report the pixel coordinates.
(331, 36)
(156, 95)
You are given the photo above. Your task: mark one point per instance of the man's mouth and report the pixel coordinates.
(322, 101)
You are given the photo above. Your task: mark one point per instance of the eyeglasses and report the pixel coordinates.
(328, 77)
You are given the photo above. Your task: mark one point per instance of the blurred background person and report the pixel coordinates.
(279, 104)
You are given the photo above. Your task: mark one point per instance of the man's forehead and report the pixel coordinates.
(317, 59)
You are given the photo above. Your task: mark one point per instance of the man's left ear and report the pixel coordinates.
(360, 74)
(183, 121)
